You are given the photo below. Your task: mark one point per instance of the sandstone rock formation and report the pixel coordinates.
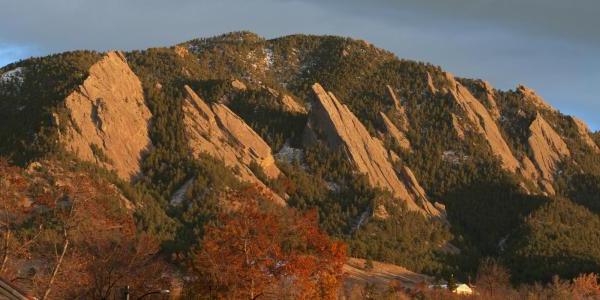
(482, 122)
(418, 192)
(489, 98)
(400, 113)
(530, 95)
(109, 118)
(458, 127)
(548, 150)
(334, 123)
(395, 133)
(216, 130)
(584, 133)
(287, 103)
(290, 105)
(431, 85)
(238, 85)
(181, 51)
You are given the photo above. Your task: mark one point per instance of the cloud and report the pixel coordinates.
(549, 45)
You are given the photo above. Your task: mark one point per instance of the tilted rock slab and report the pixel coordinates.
(287, 103)
(395, 133)
(483, 122)
(334, 123)
(400, 112)
(489, 98)
(531, 96)
(430, 85)
(548, 150)
(108, 116)
(216, 130)
(584, 133)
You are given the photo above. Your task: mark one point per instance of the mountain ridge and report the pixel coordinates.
(389, 141)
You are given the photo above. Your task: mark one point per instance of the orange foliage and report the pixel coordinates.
(586, 286)
(254, 251)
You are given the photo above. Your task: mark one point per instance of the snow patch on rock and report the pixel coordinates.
(179, 195)
(290, 155)
(269, 59)
(14, 75)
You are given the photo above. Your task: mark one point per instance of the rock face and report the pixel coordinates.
(431, 85)
(482, 122)
(400, 113)
(395, 133)
(290, 105)
(216, 130)
(584, 133)
(530, 95)
(458, 127)
(489, 98)
(286, 102)
(418, 192)
(548, 150)
(109, 118)
(334, 123)
(238, 85)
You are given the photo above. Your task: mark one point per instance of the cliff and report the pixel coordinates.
(548, 150)
(214, 129)
(109, 118)
(482, 122)
(333, 122)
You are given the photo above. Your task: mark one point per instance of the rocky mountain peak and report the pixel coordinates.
(109, 117)
(548, 150)
(334, 123)
(584, 133)
(400, 112)
(396, 134)
(216, 130)
(481, 121)
(531, 96)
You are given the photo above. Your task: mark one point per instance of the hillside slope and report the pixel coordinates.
(399, 157)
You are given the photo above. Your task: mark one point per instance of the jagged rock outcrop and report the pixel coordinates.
(531, 96)
(109, 118)
(482, 122)
(418, 192)
(287, 103)
(548, 149)
(395, 133)
(216, 130)
(489, 99)
(334, 123)
(458, 127)
(432, 89)
(238, 85)
(584, 133)
(181, 51)
(400, 113)
(290, 105)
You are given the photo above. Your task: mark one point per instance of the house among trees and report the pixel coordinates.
(463, 289)
(460, 288)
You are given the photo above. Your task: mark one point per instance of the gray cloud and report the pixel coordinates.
(550, 45)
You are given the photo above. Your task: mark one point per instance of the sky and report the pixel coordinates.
(552, 46)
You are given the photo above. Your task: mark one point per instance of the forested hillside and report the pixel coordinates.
(477, 172)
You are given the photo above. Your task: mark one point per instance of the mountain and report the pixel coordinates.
(403, 161)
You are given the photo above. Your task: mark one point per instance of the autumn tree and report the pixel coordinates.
(256, 249)
(106, 253)
(11, 186)
(586, 286)
(492, 278)
(128, 260)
